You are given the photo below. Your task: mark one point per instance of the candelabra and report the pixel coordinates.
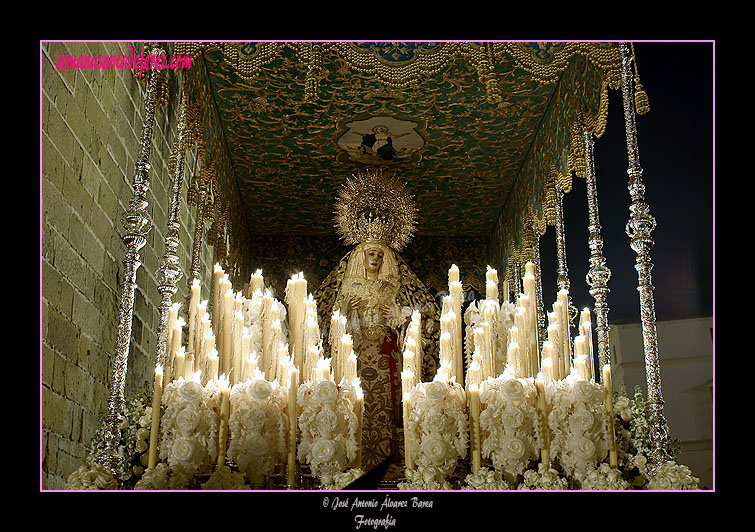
(639, 228)
(170, 272)
(137, 225)
(599, 274)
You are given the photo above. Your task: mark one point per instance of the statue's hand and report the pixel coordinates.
(390, 312)
(354, 303)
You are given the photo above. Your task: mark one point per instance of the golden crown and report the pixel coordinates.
(373, 207)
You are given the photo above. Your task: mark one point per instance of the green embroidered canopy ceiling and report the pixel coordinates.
(478, 131)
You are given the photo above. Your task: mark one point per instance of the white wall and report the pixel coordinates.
(685, 349)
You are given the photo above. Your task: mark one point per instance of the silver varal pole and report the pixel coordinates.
(170, 272)
(137, 225)
(598, 274)
(639, 227)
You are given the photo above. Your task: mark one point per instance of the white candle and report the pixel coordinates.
(200, 331)
(226, 346)
(193, 305)
(180, 363)
(217, 276)
(446, 348)
(565, 332)
(491, 290)
(474, 373)
(453, 274)
(474, 423)
(293, 385)
(214, 361)
(543, 411)
(256, 282)
(491, 275)
(359, 412)
(409, 363)
(351, 367)
(608, 388)
(169, 352)
(579, 363)
(407, 380)
(547, 367)
(586, 331)
(346, 348)
(457, 295)
(155, 428)
(225, 395)
(579, 346)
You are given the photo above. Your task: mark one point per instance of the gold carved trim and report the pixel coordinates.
(546, 60)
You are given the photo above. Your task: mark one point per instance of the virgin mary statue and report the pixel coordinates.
(374, 288)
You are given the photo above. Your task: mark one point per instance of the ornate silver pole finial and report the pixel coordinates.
(639, 227)
(599, 274)
(137, 224)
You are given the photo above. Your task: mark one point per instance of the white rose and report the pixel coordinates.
(583, 447)
(512, 417)
(187, 420)
(182, 450)
(435, 449)
(323, 450)
(257, 445)
(660, 482)
(260, 389)
(583, 391)
(254, 420)
(436, 390)
(326, 421)
(583, 419)
(326, 392)
(191, 391)
(640, 461)
(513, 389)
(621, 403)
(513, 448)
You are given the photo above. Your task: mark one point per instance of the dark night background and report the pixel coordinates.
(676, 150)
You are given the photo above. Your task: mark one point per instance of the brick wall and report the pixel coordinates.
(91, 129)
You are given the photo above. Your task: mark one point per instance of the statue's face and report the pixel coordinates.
(373, 259)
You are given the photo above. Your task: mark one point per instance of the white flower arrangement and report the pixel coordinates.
(632, 429)
(92, 476)
(605, 477)
(427, 478)
(438, 427)
(155, 478)
(328, 428)
(341, 480)
(136, 421)
(509, 423)
(578, 423)
(672, 476)
(258, 426)
(223, 478)
(545, 478)
(189, 424)
(485, 479)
